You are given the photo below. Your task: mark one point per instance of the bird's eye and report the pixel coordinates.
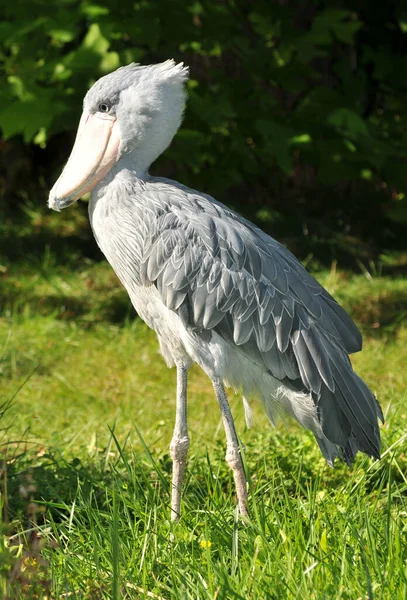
(104, 107)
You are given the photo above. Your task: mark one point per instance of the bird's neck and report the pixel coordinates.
(128, 170)
(137, 161)
(133, 162)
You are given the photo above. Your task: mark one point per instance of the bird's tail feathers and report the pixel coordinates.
(349, 416)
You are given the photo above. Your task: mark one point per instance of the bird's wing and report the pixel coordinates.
(219, 272)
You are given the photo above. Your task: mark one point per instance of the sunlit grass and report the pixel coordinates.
(86, 471)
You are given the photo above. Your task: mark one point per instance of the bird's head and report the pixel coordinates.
(133, 112)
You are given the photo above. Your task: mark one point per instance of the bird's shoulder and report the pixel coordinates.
(217, 231)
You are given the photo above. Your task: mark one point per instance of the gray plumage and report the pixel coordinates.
(219, 274)
(217, 290)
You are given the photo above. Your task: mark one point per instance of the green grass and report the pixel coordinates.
(88, 414)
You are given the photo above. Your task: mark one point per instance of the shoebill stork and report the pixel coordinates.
(217, 290)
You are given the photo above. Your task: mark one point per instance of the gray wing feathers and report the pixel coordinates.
(360, 409)
(219, 272)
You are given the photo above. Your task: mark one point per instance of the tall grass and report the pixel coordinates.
(88, 411)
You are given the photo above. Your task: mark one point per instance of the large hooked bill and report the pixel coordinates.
(95, 151)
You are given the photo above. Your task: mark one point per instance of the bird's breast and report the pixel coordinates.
(119, 236)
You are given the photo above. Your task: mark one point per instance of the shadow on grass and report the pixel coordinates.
(114, 308)
(19, 246)
(376, 312)
(385, 311)
(54, 482)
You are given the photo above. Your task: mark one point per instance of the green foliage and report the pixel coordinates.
(299, 108)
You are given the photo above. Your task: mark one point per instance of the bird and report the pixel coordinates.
(217, 290)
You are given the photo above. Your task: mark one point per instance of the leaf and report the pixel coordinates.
(17, 87)
(94, 10)
(345, 32)
(110, 62)
(95, 41)
(62, 35)
(325, 23)
(304, 138)
(348, 121)
(263, 24)
(279, 144)
(23, 117)
(93, 53)
(31, 116)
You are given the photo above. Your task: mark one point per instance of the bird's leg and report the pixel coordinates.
(180, 441)
(233, 457)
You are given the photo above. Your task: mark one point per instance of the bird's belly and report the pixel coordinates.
(154, 313)
(166, 323)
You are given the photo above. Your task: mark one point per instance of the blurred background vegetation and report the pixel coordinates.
(296, 117)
